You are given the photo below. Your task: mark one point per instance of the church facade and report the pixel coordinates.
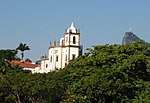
(60, 54)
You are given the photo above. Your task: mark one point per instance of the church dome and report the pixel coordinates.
(71, 29)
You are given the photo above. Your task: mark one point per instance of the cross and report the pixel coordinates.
(130, 29)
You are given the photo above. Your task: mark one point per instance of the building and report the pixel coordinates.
(60, 54)
(26, 65)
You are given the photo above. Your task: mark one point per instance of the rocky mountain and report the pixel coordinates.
(130, 38)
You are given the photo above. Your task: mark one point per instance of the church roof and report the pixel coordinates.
(71, 28)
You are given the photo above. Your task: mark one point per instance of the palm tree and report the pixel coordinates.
(22, 47)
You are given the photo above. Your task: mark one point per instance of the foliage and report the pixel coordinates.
(110, 73)
(8, 54)
(106, 74)
(22, 47)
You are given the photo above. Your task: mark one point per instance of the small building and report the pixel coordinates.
(60, 54)
(26, 65)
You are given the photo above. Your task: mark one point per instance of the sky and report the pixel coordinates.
(37, 22)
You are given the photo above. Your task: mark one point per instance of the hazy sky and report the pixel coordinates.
(37, 22)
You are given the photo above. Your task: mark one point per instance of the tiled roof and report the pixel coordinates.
(23, 64)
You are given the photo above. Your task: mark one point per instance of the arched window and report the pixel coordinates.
(74, 40)
(73, 56)
(51, 59)
(66, 58)
(62, 42)
(66, 39)
(46, 65)
(56, 58)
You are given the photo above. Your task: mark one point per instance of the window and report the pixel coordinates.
(70, 31)
(62, 42)
(51, 59)
(56, 51)
(65, 64)
(66, 39)
(56, 58)
(46, 65)
(73, 56)
(74, 40)
(66, 57)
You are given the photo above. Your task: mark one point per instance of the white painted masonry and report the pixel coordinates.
(60, 54)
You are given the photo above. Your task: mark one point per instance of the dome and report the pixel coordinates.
(71, 28)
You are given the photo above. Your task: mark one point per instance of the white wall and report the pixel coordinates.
(66, 40)
(45, 65)
(65, 53)
(55, 52)
(62, 51)
(74, 51)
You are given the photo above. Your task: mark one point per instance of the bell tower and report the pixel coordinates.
(72, 42)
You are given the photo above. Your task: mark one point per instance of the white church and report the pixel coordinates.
(60, 54)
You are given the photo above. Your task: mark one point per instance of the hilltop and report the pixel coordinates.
(130, 38)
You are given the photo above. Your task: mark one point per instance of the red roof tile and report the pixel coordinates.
(23, 64)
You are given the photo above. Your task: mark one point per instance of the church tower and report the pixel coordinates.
(72, 42)
(60, 54)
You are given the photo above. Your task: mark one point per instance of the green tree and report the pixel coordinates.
(109, 74)
(22, 47)
(8, 54)
(105, 74)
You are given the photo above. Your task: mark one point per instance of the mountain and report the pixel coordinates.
(130, 38)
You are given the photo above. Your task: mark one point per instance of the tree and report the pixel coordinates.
(8, 54)
(22, 47)
(106, 74)
(109, 74)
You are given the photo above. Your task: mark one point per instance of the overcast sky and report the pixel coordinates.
(37, 22)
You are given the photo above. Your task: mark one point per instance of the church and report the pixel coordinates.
(60, 54)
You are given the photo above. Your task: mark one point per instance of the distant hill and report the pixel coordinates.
(130, 38)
